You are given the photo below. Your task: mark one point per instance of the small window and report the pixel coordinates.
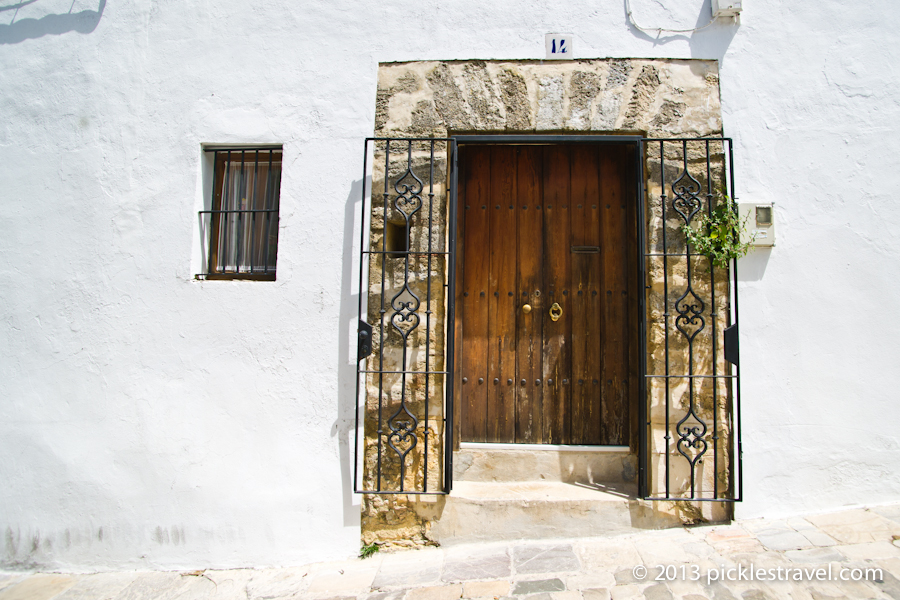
(242, 223)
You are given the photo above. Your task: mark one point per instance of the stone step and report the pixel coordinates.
(497, 511)
(532, 462)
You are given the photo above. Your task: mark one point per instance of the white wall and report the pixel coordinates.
(149, 419)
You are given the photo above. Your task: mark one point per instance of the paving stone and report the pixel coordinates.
(485, 589)
(694, 597)
(409, 570)
(626, 592)
(393, 595)
(545, 559)
(626, 576)
(719, 534)
(786, 539)
(699, 549)
(718, 591)
(658, 591)
(541, 596)
(439, 592)
(493, 564)
(336, 582)
(755, 594)
(8, 579)
(98, 585)
(595, 594)
(567, 595)
(747, 545)
(154, 586)
(891, 565)
(521, 588)
(38, 587)
(815, 556)
(276, 583)
(609, 554)
(891, 512)
(870, 551)
(591, 579)
(890, 585)
(856, 526)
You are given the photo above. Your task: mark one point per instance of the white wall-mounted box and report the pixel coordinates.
(726, 8)
(759, 220)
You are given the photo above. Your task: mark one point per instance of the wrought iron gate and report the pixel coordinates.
(691, 429)
(404, 392)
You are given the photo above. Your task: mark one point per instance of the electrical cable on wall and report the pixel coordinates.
(659, 30)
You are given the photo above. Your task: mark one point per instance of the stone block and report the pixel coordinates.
(439, 592)
(522, 588)
(485, 589)
(595, 594)
(786, 539)
(337, 582)
(591, 579)
(608, 554)
(567, 595)
(626, 592)
(276, 583)
(658, 591)
(816, 556)
(398, 571)
(545, 559)
(38, 587)
(870, 551)
(98, 585)
(469, 565)
(856, 526)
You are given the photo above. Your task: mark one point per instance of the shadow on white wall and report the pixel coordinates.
(28, 27)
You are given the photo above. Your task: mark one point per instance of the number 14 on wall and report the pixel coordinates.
(559, 46)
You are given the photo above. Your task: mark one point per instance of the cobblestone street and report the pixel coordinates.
(850, 554)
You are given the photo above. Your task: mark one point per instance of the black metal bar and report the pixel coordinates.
(215, 212)
(223, 247)
(649, 376)
(239, 245)
(398, 254)
(387, 177)
(409, 371)
(643, 450)
(238, 149)
(740, 450)
(212, 205)
(714, 310)
(428, 305)
(544, 139)
(276, 200)
(449, 383)
(664, 205)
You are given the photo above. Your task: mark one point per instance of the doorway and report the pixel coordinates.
(547, 291)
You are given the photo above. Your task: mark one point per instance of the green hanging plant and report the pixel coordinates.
(718, 234)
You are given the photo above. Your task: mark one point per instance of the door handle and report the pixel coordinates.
(526, 308)
(555, 311)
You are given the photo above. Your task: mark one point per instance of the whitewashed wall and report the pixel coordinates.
(149, 419)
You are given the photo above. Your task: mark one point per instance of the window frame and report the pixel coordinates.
(216, 217)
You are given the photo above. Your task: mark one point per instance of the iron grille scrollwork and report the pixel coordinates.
(688, 379)
(404, 396)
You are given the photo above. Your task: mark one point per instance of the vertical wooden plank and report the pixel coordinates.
(613, 349)
(529, 417)
(474, 189)
(585, 297)
(557, 271)
(501, 408)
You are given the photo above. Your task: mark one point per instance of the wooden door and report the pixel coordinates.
(547, 231)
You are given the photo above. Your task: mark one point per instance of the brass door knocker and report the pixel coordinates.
(555, 311)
